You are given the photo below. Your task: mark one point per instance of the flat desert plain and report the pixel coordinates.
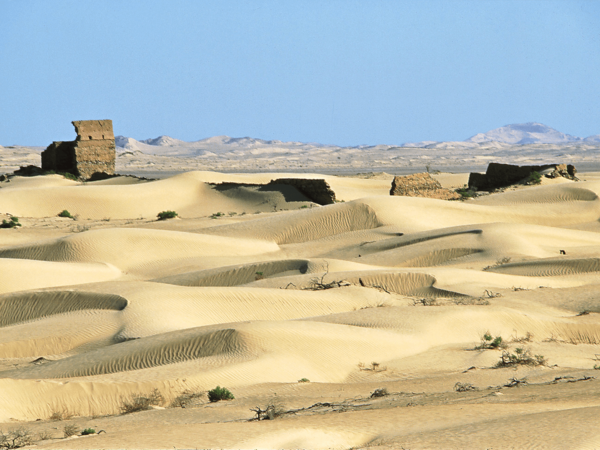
(375, 322)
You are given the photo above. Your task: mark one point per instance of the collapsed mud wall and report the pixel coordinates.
(318, 190)
(421, 185)
(502, 175)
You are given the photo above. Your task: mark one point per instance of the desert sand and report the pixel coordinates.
(371, 293)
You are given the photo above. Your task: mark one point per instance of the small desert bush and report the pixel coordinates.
(271, 411)
(303, 380)
(219, 393)
(186, 397)
(65, 213)
(520, 356)
(259, 276)
(70, 430)
(88, 431)
(12, 223)
(44, 435)
(534, 178)
(490, 342)
(164, 215)
(141, 402)
(63, 414)
(467, 192)
(381, 392)
(463, 387)
(16, 438)
(68, 176)
(216, 215)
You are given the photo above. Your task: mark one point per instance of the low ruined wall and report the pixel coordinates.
(503, 175)
(421, 185)
(318, 190)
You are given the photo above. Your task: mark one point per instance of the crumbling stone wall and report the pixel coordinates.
(92, 152)
(318, 190)
(502, 175)
(421, 185)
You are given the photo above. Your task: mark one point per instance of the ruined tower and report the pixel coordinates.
(92, 152)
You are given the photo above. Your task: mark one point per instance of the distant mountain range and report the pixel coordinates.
(506, 136)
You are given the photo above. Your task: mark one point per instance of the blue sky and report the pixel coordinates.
(334, 72)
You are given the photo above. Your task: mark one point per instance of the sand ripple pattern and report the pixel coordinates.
(303, 226)
(27, 306)
(153, 351)
(550, 267)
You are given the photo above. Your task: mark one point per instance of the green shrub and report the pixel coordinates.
(467, 192)
(219, 393)
(303, 380)
(68, 176)
(490, 342)
(65, 213)
(534, 178)
(88, 431)
(216, 215)
(12, 223)
(164, 215)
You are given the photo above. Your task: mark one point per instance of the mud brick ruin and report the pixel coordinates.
(318, 190)
(421, 185)
(502, 175)
(93, 152)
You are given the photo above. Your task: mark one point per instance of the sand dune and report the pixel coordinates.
(374, 292)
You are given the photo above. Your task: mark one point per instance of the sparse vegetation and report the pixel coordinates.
(219, 393)
(520, 356)
(490, 342)
(70, 430)
(164, 215)
(16, 438)
(271, 411)
(303, 380)
(185, 399)
(44, 436)
(534, 178)
(259, 276)
(68, 176)
(499, 262)
(596, 366)
(88, 431)
(216, 215)
(380, 392)
(140, 402)
(425, 302)
(65, 213)
(63, 414)
(80, 228)
(12, 223)
(467, 192)
(463, 387)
